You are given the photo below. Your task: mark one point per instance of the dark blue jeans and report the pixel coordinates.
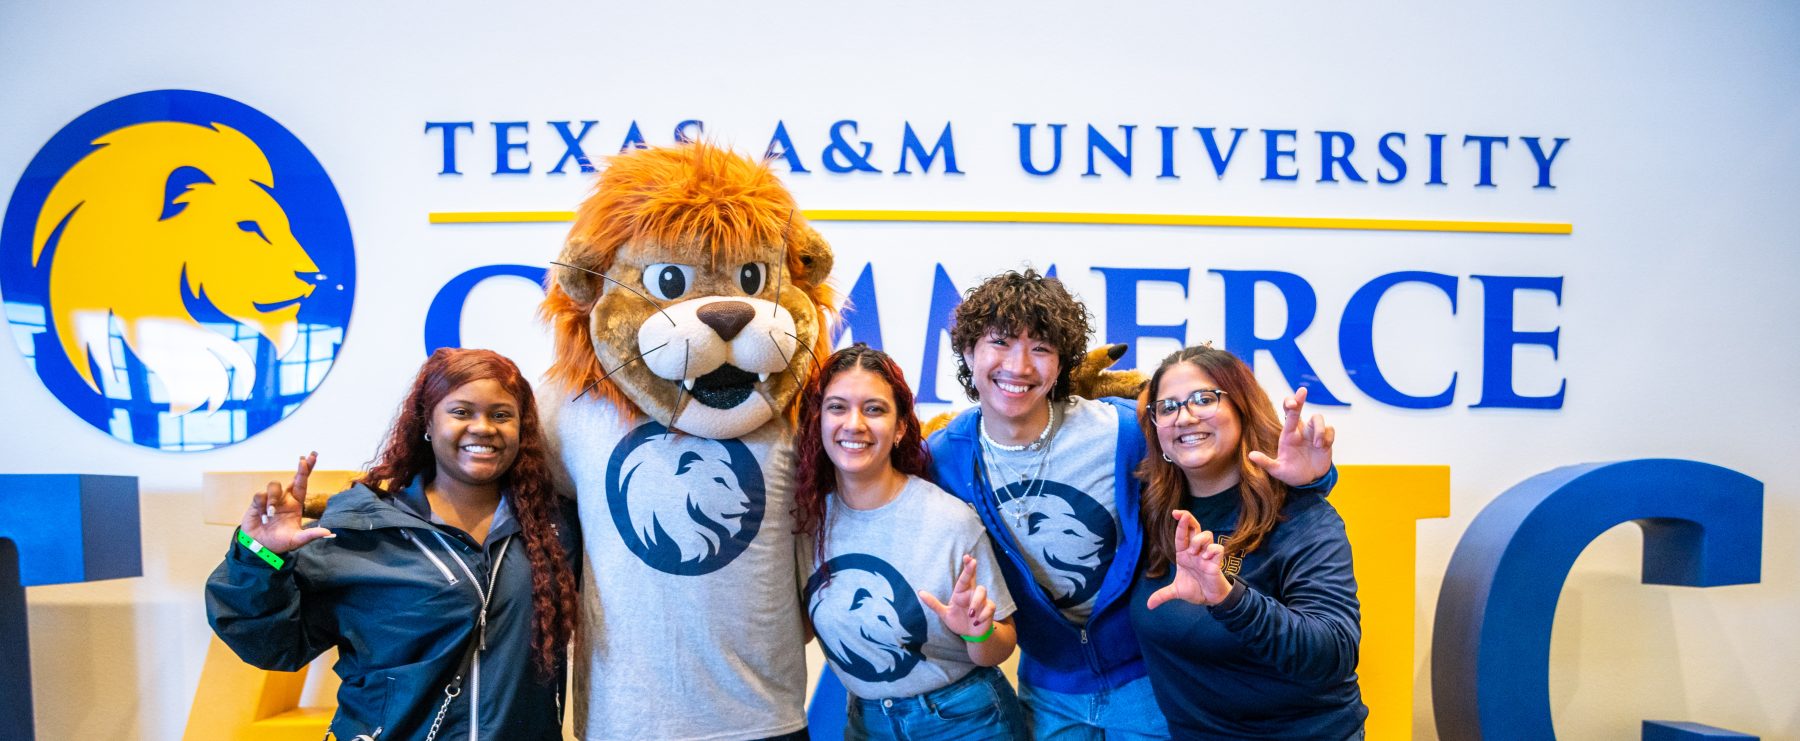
(981, 705)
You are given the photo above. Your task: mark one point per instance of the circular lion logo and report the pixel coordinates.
(178, 269)
(685, 505)
(1073, 535)
(870, 622)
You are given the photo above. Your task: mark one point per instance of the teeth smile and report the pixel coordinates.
(1190, 438)
(479, 448)
(1011, 388)
(852, 446)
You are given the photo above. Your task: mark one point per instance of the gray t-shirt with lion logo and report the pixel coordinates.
(878, 637)
(691, 626)
(1057, 503)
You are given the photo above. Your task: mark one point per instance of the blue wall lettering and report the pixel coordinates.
(1273, 154)
(572, 151)
(1119, 160)
(1240, 327)
(1356, 340)
(1330, 159)
(1490, 674)
(781, 147)
(1499, 338)
(449, 129)
(1025, 159)
(504, 146)
(910, 145)
(443, 320)
(1122, 308)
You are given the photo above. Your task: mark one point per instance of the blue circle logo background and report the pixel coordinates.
(1077, 536)
(685, 505)
(881, 658)
(178, 269)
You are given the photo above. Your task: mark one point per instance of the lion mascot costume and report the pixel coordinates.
(689, 308)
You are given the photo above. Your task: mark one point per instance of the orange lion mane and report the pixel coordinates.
(694, 199)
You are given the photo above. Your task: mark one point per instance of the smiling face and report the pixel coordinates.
(1013, 375)
(1205, 450)
(858, 422)
(475, 433)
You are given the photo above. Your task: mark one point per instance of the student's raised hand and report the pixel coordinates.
(970, 612)
(1304, 453)
(274, 515)
(1199, 566)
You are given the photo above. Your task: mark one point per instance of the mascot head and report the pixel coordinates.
(160, 220)
(696, 294)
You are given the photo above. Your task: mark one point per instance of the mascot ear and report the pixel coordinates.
(811, 256)
(182, 179)
(582, 286)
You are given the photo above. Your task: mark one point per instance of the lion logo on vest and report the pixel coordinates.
(165, 269)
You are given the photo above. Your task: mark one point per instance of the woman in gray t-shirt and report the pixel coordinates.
(890, 548)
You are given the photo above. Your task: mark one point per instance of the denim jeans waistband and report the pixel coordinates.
(929, 701)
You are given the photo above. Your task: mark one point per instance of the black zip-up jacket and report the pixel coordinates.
(401, 599)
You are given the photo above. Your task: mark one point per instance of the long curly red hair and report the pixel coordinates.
(815, 477)
(406, 456)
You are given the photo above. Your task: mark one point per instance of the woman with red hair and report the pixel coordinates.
(445, 578)
(887, 544)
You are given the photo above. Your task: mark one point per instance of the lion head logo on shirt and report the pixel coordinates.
(1066, 530)
(686, 505)
(869, 622)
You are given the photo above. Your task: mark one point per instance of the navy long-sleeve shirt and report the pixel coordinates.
(1275, 659)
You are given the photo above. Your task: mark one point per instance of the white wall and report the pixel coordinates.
(1678, 277)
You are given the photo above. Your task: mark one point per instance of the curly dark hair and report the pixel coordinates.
(1015, 303)
(815, 477)
(405, 455)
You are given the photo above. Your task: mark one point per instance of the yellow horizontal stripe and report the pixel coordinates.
(1040, 217)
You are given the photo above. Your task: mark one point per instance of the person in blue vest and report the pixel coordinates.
(1050, 474)
(902, 591)
(445, 578)
(1246, 610)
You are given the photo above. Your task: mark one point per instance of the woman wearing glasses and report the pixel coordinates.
(1246, 609)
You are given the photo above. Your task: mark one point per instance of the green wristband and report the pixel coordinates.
(984, 636)
(269, 557)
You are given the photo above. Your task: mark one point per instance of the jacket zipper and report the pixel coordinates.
(480, 625)
(435, 561)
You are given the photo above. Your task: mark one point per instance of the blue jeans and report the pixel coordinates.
(1128, 711)
(981, 705)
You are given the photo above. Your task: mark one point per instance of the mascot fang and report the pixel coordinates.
(689, 307)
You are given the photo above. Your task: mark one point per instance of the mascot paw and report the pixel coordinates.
(1092, 380)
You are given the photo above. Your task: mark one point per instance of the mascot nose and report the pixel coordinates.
(726, 317)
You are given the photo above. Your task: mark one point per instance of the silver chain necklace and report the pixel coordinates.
(1031, 485)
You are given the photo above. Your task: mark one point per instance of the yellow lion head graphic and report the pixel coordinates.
(160, 216)
(697, 296)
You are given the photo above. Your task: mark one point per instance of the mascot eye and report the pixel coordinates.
(668, 281)
(253, 228)
(750, 277)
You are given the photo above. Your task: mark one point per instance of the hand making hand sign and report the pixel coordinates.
(274, 515)
(1199, 566)
(1304, 453)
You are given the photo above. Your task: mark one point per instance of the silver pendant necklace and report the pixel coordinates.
(1030, 484)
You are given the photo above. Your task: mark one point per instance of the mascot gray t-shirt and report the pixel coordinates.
(688, 541)
(1058, 504)
(880, 639)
